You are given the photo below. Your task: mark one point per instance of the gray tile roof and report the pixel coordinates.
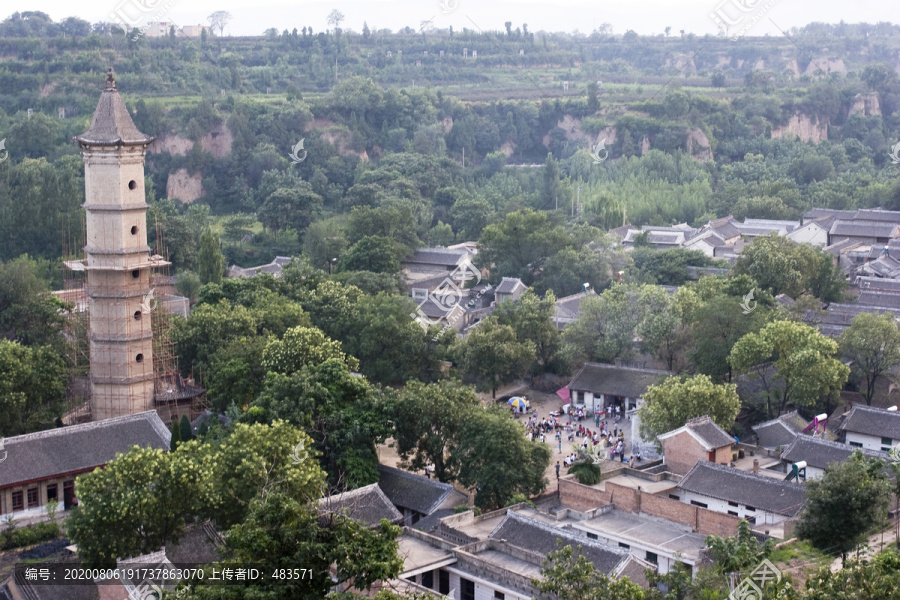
(761, 492)
(367, 505)
(888, 216)
(569, 307)
(819, 213)
(112, 125)
(416, 492)
(857, 228)
(873, 421)
(883, 299)
(437, 256)
(779, 432)
(614, 380)
(508, 285)
(821, 453)
(712, 434)
(878, 284)
(45, 454)
(727, 230)
(536, 536)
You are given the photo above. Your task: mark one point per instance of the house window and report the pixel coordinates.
(52, 492)
(444, 582)
(700, 504)
(885, 449)
(17, 502)
(626, 546)
(855, 444)
(652, 558)
(751, 519)
(33, 499)
(732, 504)
(466, 589)
(499, 595)
(674, 497)
(886, 441)
(592, 536)
(752, 508)
(731, 512)
(428, 579)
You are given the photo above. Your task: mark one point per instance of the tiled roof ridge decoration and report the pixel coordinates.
(157, 424)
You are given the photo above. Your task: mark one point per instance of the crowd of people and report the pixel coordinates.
(552, 429)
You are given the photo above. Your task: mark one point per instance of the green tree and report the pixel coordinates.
(605, 327)
(255, 460)
(783, 266)
(742, 552)
(129, 508)
(345, 415)
(802, 358)
(845, 504)
(184, 429)
(859, 579)
(531, 319)
(282, 531)
(303, 346)
(587, 471)
(210, 261)
(32, 387)
(493, 356)
(872, 345)
(568, 575)
(670, 404)
(427, 424)
(520, 244)
(372, 253)
(29, 314)
(290, 207)
(665, 327)
(502, 463)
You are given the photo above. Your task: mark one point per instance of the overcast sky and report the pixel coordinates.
(643, 16)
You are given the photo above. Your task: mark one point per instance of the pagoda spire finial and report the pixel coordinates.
(110, 80)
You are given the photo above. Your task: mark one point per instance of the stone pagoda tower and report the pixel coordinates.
(118, 260)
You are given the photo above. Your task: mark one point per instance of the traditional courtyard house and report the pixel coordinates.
(756, 498)
(871, 428)
(42, 466)
(699, 439)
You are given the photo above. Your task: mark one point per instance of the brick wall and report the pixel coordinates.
(699, 519)
(682, 452)
(581, 497)
(723, 455)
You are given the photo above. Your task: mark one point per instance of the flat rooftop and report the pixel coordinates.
(418, 555)
(637, 528)
(510, 563)
(483, 528)
(630, 481)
